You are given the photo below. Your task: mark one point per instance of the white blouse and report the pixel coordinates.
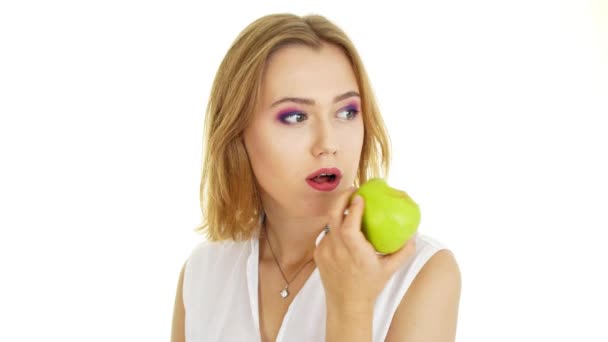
(220, 294)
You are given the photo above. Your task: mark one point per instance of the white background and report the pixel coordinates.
(497, 113)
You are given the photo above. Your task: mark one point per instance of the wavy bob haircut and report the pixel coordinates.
(229, 197)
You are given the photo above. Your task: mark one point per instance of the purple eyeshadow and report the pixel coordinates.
(352, 106)
(292, 110)
(287, 112)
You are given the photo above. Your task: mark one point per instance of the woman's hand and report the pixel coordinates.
(353, 274)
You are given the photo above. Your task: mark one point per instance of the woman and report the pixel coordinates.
(292, 128)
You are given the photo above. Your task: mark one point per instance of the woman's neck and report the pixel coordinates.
(291, 239)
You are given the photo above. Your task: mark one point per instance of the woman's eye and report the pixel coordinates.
(293, 118)
(349, 113)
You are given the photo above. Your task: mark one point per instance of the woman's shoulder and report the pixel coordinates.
(402, 279)
(426, 244)
(216, 250)
(430, 254)
(212, 260)
(426, 248)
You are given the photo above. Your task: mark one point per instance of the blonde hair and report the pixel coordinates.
(229, 195)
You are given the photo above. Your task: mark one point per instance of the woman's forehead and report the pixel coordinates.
(301, 71)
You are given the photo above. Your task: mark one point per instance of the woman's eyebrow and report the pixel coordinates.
(311, 102)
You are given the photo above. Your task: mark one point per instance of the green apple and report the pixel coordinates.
(390, 216)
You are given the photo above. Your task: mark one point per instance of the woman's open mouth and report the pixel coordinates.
(326, 179)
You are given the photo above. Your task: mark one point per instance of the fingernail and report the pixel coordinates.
(357, 199)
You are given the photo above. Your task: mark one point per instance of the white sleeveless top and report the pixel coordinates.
(220, 294)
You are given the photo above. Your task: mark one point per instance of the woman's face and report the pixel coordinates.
(308, 118)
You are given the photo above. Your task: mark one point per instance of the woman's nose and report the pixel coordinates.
(325, 142)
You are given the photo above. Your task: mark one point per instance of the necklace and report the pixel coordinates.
(285, 292)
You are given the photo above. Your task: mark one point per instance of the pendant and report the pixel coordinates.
(285, 292)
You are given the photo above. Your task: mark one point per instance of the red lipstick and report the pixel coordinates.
(325, 179)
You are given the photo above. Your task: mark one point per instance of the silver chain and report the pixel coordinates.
(285, 291)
